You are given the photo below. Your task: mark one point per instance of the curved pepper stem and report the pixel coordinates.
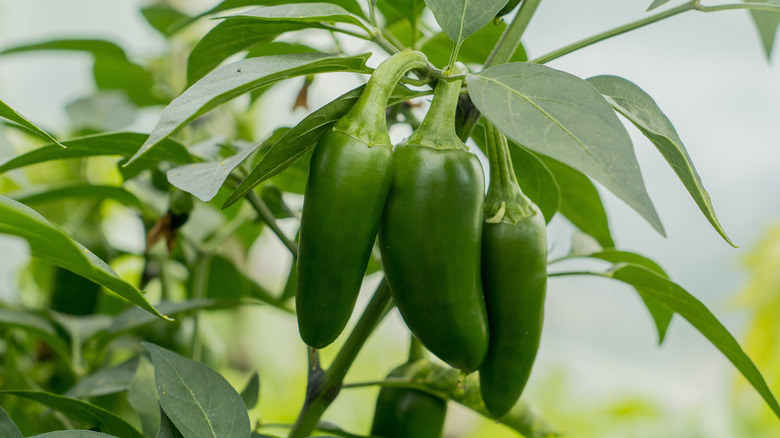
(367, 119)
(438, 128)
(505, 201)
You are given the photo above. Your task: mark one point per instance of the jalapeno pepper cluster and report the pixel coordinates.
(467, 272)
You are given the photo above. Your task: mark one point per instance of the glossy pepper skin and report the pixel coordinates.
(430, 237)
(349, 177)
(514, 278)
(406, 413)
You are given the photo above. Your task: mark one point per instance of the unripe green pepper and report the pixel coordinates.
(408, 413)
(349, 177)
(430, 236)
(514, 278)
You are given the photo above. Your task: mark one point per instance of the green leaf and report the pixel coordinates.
(304, 136)
(474, 50)
(105, 111)
(134, 317)
(8, 113)
(580, 202)
(232, 80)
(105, 380)
(73, 434)
(302, 13)
(80, 191)
(640, 109)
(397, 10)
(227, 283)
(686, 305)
(197, 399)
(123, 144)
(81, 410)
(279, 48)
(229, 38)
(204, 179)
(461, 18)
(656, 3)
(167, 428)
(35, 325)
(662, 316)
(449, 383)
(535, 179)
(251, 392)
(562, 116)
(142, 396)
(350, 5)
(50, 243)
(766, 22)
(163, 18)
(112, 69)
(7, 427)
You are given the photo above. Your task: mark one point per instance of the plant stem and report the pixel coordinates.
(616, 31)
(199, 291)
(323, 387)
(510, 39)
(752, 6)
(501, 54)
(268, 217)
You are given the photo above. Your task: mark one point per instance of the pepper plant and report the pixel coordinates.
(90, 354)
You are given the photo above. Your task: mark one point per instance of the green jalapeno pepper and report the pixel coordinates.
(430, 236)
(514, 278)
(349, 177)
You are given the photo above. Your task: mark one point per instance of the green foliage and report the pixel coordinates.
(85, 351)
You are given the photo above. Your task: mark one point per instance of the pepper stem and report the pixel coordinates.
(438, 128)
(505, 201)
(367, 118)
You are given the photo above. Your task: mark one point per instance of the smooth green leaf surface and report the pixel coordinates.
(461, 18)
(304, 136)
(123, 144)
(50, 243)
(107, 421)
(74, 434)
(350, 5)
(7, 427)
(657, 3)
(251, 392)
(448, 382)
(533, 176)
(197, 399)
(302, 13)
(104, 381)
(163, 18)
(662, 315)
(232, 80)
(36, 325)
(228, 38)
(204, 179)
(396, 10)
(686, 305)
(474, 50)
(641, 110)
(79, 191)
(112, 69)
(8, 113)
(581, 202)
(142, 396)
(167, 428)
(562, 116)
(766, 23)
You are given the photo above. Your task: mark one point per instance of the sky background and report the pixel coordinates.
(707, 72)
